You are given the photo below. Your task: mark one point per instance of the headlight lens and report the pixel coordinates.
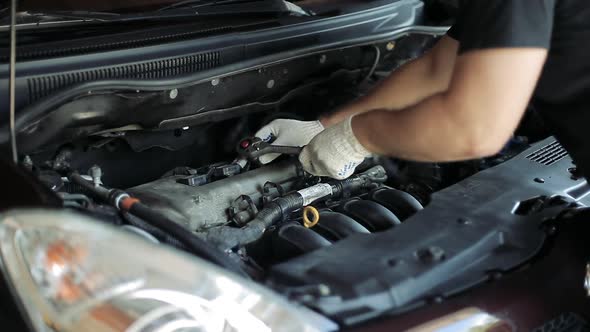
(71, 273)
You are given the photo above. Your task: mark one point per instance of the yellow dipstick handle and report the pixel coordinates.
(315, 216)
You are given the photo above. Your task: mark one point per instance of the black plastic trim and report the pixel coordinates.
(468, 234)
(47, 104)
(41, 86)
(238, 50)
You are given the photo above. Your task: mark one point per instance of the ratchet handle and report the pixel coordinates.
(289, 150)
(254, 148)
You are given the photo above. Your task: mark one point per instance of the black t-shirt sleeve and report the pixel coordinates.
(457, 29)
(484, 24)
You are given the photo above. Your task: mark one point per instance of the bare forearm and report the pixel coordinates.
(413, 82)
(404, 87)
(429, 131)
(474, 118)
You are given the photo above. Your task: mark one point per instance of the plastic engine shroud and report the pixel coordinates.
(469, 233)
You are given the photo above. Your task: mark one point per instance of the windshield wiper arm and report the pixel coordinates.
(235, 6)
(64, 15)
(197, 3)
(199, 8)
(38, 19)
(188, 3)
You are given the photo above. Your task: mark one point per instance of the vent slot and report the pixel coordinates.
(89, 42)
(51, 51)
(40, 87)
(548, 155)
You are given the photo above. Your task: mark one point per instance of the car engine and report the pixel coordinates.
(262, 215)
(147, 162)
(192, 170)
(220, 203)
(208, 208)
(137, 200)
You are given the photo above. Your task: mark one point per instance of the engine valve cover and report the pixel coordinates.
(205, 206)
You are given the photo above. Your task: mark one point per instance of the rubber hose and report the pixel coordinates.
(226, 237)
(100, 193)
(191, 242)
(158, 233)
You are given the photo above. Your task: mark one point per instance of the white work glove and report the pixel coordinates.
(288, 133)
(335, 153)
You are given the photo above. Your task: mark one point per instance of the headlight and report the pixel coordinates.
(71, 273)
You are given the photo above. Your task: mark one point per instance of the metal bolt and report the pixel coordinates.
(173, 93)
(390, 46)
(430, 254)
(270, 84)
(323, 290)
(464, 221)
(27, 162)
(323, 58)
(96, 173)
(539, 180)
(215, 81)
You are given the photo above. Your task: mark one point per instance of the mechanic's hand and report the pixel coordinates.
(336, 152)
(288, 133)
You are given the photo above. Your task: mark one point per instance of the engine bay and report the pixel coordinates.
(219, 202)
(395, 235)
(190, 168)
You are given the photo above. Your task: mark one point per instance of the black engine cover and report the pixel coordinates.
(471, 232)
